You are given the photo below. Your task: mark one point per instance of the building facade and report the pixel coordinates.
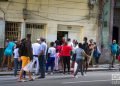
(52, 19)
(109, 23)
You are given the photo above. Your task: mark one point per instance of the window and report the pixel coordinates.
(35, 26)
(12, 30)
(36, 30)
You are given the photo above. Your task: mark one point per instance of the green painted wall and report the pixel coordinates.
(106, 24)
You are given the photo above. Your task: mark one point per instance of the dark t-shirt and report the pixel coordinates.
(85, 47)
(29, 49)
(23, 49)
(26, 49)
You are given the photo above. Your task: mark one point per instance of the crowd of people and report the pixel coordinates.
(58, 56)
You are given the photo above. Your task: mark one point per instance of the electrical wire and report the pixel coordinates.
(34, 3)
(58, 19)
(72, 1)
(8, 5)
(52, 5)
(65, 2)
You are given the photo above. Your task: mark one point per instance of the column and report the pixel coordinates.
(23, 30)
(107, 30)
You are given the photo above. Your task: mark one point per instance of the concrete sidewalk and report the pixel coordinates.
(104, 67)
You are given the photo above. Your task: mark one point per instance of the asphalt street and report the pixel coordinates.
(97, 78)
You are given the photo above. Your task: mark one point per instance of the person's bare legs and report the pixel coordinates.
(30, 76)
(20, 74)
(9, 63)
(3, 62)
(21, 77)
(85, 64)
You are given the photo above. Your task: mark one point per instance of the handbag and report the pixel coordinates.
(75, 67)
(29, 67)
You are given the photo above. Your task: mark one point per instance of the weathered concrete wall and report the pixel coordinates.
(2, 33)
(52, 13)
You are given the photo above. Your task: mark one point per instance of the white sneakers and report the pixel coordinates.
(51, 73)
(76, 77)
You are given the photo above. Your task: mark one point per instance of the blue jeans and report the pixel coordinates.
(16, 62)
(42, 63)
(80, 66)
(50, 63)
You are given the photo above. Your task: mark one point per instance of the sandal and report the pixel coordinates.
(31, 79)
(22, 80)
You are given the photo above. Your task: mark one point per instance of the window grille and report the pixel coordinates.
(36, 31)
(35, 26)
(12, 30)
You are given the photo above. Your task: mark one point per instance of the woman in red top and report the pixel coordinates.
(65, 51)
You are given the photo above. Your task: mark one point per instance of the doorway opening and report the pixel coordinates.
(61, 35)
(115, 35)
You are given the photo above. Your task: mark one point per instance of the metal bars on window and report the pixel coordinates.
(12, 30)
(36, 30)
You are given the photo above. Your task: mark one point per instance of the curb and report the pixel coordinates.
(89, 69)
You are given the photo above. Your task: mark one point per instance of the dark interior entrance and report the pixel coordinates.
(115, 34)
(61, 34)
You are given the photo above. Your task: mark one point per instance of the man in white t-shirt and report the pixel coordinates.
(36, 50)
(51, 57)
